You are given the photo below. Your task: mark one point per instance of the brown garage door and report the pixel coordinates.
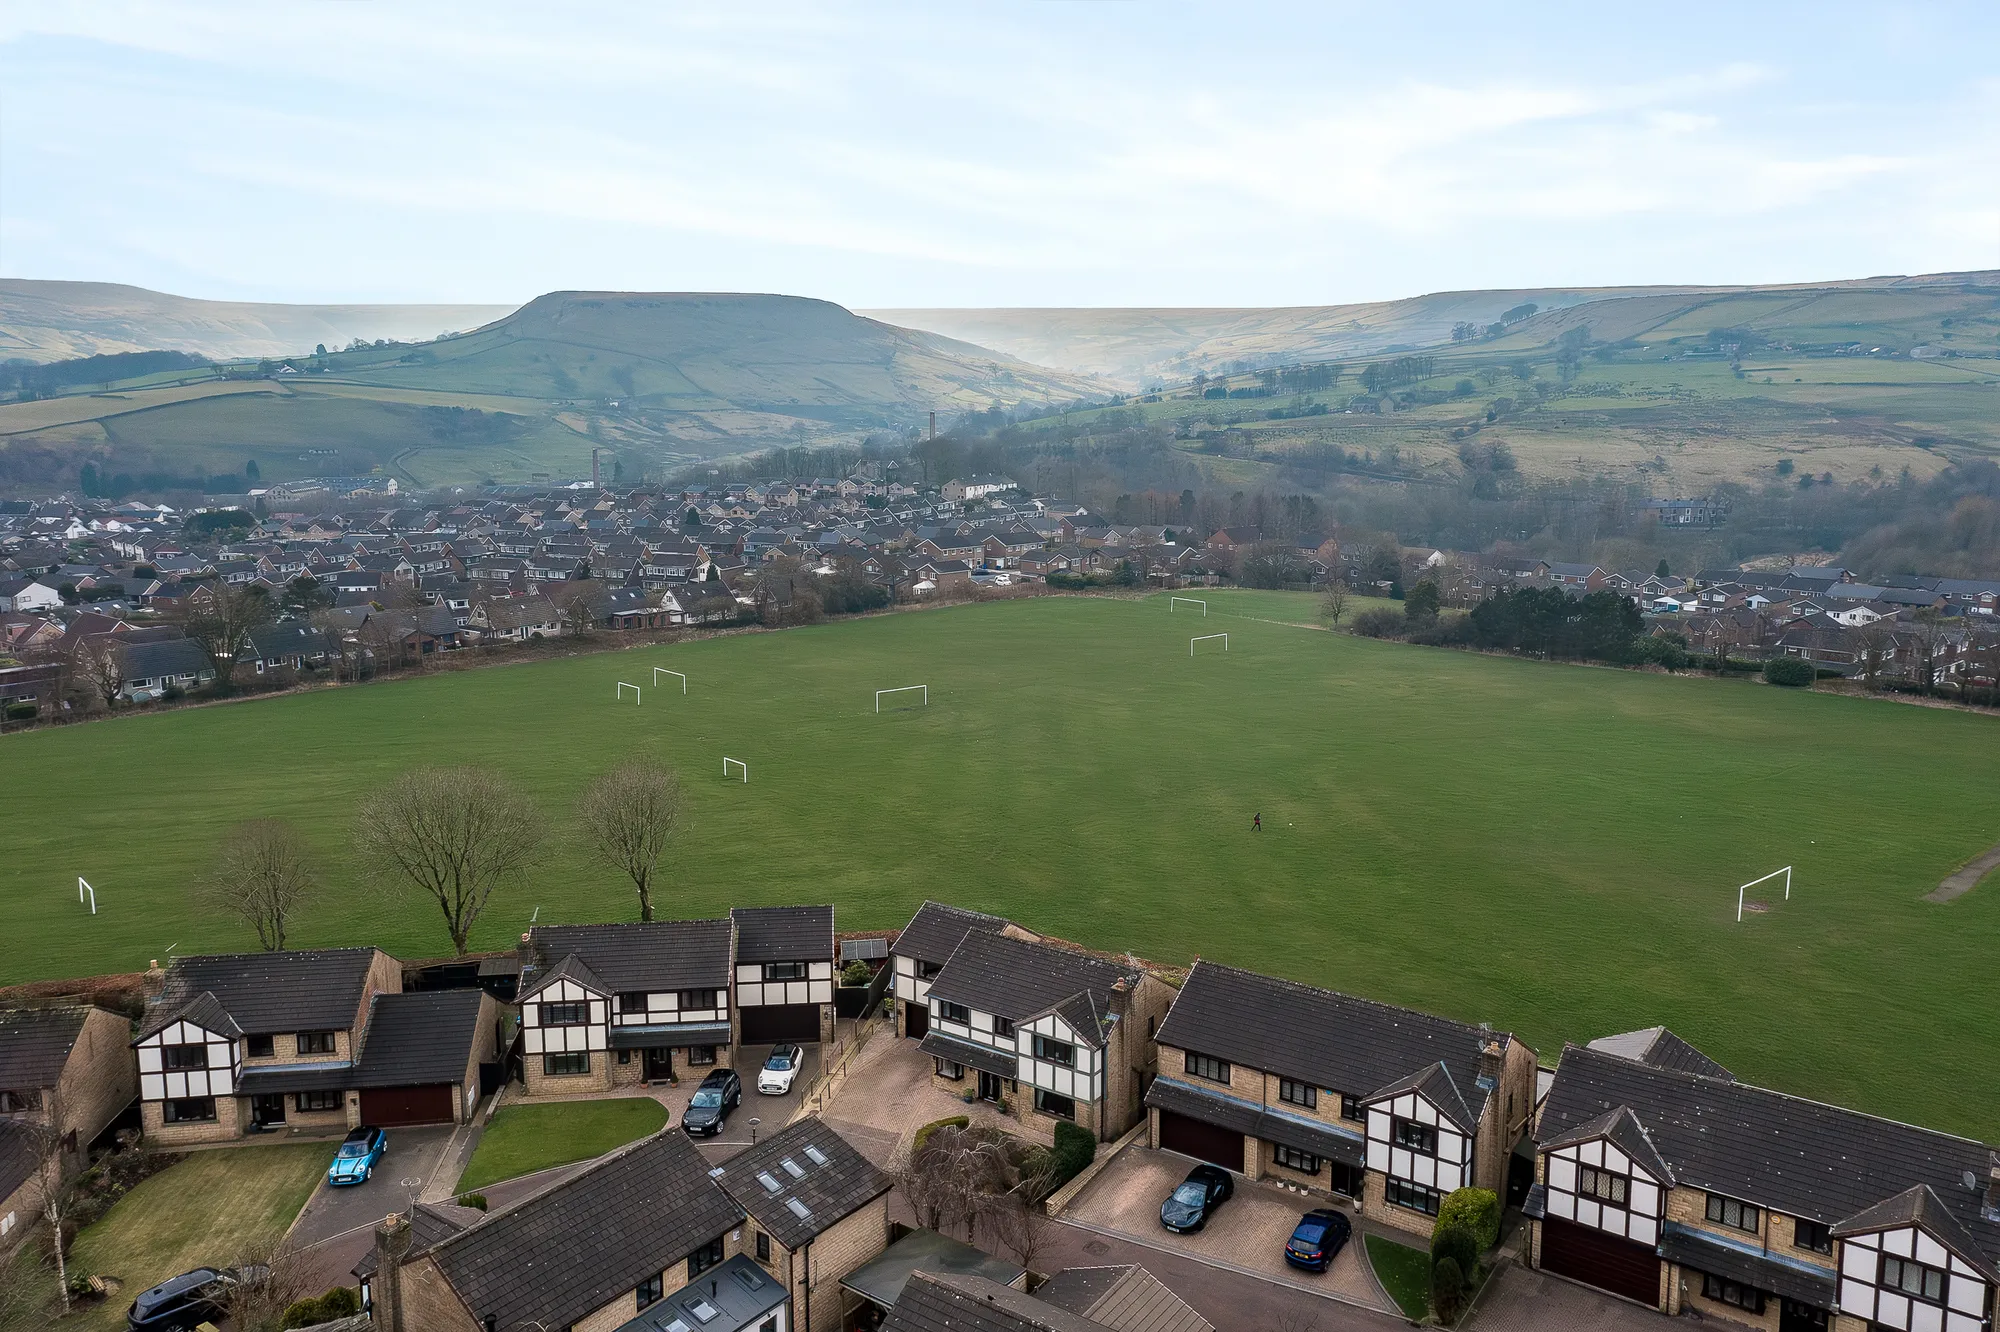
(386, 1107)
(916, 1020)
(1204, 1142)
(1621, 1266)
(767, 1025)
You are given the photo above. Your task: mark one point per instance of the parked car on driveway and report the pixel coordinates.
(775, 1078)
(185, 1302)
(355, 1161)
(1318, 1239)
(1195, 1199)
(719, 1093)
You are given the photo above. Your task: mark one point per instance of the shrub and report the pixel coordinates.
(1379, 623)
(1792, 672)
(20, 712)
(1075, 1149)
(924, 1133)
(1447, 1290)
(1455, 1242)
(856, 973)
(339, 1302)
(1453, 629)
(1476, 1209)
(476, 1200)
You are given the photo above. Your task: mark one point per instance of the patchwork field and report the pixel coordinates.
(1551, 849)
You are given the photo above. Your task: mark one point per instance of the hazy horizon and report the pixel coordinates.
(896, 157)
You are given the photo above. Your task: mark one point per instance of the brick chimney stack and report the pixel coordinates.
(392, 1245)
(155, 981)
(1490, 1062)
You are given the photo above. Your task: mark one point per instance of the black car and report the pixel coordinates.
(1188, 1207)
(1318, 1239)
(181, 1303)
(718, 1094)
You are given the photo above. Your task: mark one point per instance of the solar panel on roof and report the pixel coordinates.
(864, 950)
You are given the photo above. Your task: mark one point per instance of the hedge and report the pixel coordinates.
(1455, 1243)
(924, 1133)
(1792, 672)
(339, 1302)
(1075, 1149)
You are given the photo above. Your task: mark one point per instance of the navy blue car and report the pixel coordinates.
(1318, 1239)
(1189, 1206)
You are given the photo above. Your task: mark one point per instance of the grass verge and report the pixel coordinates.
(525, 1138)
(1404, 1272)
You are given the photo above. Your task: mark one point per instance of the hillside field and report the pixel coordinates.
(1552, 849)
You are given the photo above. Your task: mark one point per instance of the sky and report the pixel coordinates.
(991, 154)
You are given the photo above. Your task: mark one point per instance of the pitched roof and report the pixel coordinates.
(35, 1044)
(421, 1038)
(1821, 1162)
(783, 933)
(172, 656)
(816, 1170)
(1622, 1128)
(572, 1249)
(650, 955)
(571, 967)
(20, 1154)
(1915, 1206)
(1125, 1299)
(1321, 1037)
(936, 930)
(1662, 1049)
(961, 1303)
(1019, 979)
(430, 1223)
(299, 990)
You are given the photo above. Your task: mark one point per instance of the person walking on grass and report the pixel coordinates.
(1257, 822)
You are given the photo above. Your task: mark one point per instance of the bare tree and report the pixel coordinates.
(55, 1177)
(263, 874)
(219, 618)
(276, 1277)
(1018, 1219)
(1334, 602)
(582, 602)
(953, 1177)
(630, 814)
(99, 662)
(1876, 644)
(455, 834)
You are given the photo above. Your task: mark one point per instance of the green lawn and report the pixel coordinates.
(1552, 849)
(1404, 1272)
(525, 1138)
(212, 1209)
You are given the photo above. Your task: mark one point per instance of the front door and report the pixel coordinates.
(268, 1108)
(989, 1087)
(659, 1064)
(1796, 1317)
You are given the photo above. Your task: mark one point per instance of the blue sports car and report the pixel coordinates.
(355, 1161)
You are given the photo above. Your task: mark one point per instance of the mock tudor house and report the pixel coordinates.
(1050, 1031)
(921, 950)
(606, 1006)
(1385, 1105)
(65, 1069)
(784, 973)
(1663, 1179)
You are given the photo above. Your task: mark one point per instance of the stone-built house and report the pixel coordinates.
(921, 950)
(1366, 1101)
(818, 1209)
(1662, 1178)
(784, 973)
(1051, 1032)
(606, 1006)
(65, 1070)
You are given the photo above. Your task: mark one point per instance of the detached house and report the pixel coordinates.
(66, 1070)
(1663, 1179)
(606, 1006)
(1385, 1105)
(1052, 1032)
(784, 973)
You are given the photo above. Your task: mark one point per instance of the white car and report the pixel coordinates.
(775, 1078)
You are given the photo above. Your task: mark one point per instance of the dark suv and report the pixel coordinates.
(182, 1303)
(718, 1094)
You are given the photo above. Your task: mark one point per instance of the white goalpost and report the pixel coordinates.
(83, 887)
(1207, 638)
(1786, 871)
(659, 671)
(619, 692)
(904, 689)
(1192, 601)
(741, 766)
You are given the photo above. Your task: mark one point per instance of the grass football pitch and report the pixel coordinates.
(1552, 849)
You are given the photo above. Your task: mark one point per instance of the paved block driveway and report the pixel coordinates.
(1524, 1300)
(1248, 1232)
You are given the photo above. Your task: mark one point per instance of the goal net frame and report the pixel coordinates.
(659, 671)
(619, 692)
(1786, 871)
(1192, 601)
(903, 689)
(741, 765)
(1208, 638)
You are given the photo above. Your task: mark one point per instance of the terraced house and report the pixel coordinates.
(1051, 1032)
(1664, 1179)
(1388, 1106)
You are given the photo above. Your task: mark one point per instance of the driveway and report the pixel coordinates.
(888, 1096)
(414, 1154)
(1247, 1235)
(1521, 1299)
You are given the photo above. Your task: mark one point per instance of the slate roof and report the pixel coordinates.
(204, 1010)
(1662, 1049)
(430, 1223)
(20, 1154)
(35, 1044)
(1622, 1128)
(1321, 1037)
(168, 657)
(319, 1075)
(653, 955)
(1017, 979)
(1705, 1252)
(310, 990)
(961, 1303)
(584, 1242)
(882, 1278)
(1215, 1107)
(728, 1298)
(937, 930)
(1915, 1206)
(1435, 1082)
(829, 1190)
(421, 1038)
(1125, 1299)
(571, 967)
(783, 933)
(1822, 1162)
(972, 1054)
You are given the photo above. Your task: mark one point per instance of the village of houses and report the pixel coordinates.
(1639, 1178)
(94, 596)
